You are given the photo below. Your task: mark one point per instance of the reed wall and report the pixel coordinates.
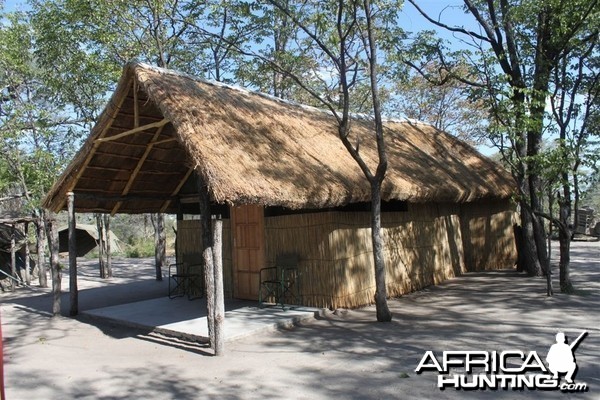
(423, 246)
(189, 250)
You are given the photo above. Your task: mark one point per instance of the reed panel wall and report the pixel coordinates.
(488, 235)
(423, 246)
(189, 250)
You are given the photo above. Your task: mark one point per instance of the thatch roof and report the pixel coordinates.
(251, 148)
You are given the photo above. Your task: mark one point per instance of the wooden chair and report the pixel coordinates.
(280, 283)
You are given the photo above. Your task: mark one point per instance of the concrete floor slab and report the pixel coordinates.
(185, 318)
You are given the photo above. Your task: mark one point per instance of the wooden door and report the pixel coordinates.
(248, 230)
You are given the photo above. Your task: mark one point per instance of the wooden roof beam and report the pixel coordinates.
(147, 196)
(133, 131)
(177, 189)
(136, 107)
(138, 167)
(111, 120)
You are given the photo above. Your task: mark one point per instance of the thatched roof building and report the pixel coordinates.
(250, 148)
(285, 185)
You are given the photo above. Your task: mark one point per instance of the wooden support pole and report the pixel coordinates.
(43, 279)
(219, 296)
(74, 310)
(101, 246)
(214, 295)
(136, 106)
(207, 256)
(108, 248)
(13, 258)
(52, 233)
(27, 255)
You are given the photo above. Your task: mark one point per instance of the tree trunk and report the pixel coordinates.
(576, 203)
(531, 263)
(2, 392)
(100, 229)
(108, 248)
(52, 233)
(550, 227)
(73, 291)
(160, 243)
(207, 256)
(565, 259)
(218, 281)
(564, 237)
(41, 259)
(383, 312)
(539, 231)
(549, 288)
(13, 260)
(27, 255)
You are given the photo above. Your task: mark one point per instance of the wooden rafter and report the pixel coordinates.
(94, 148)
(179, 186)
(138, 167)
(167, 140)
(133, 131)
(145, 116)
(98, 195)
(136, 107)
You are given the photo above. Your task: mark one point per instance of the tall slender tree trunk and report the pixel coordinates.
(528, 259)
(13, 259)
(383, 312)
(101, 245)
(565, 259)
(41, 245)
(52, 233)
(564, 236)
(109, 273)
(27, 255)
(160, 243)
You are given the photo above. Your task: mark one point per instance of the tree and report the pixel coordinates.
(37, 132)
(441, 100)
(574, 101)
(518, 47)
(344, 36)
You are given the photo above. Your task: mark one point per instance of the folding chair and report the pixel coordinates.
(185, 282)
(280, 283)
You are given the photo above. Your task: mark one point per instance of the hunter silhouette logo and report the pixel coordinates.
(560, 356)
(509, 369)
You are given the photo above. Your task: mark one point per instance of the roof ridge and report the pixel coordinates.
(356, 116)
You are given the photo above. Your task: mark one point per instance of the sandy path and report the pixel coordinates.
(343, 355)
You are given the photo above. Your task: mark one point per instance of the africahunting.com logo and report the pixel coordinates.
(510, 369)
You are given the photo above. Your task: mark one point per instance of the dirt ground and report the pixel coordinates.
(345, 354)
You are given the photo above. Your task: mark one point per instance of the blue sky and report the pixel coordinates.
(449, 11)
(411, 20)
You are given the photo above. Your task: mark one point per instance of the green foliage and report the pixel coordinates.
(447, 104)
(37, 135)
(140, 247)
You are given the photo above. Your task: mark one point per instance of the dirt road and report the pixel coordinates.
(341, 355)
